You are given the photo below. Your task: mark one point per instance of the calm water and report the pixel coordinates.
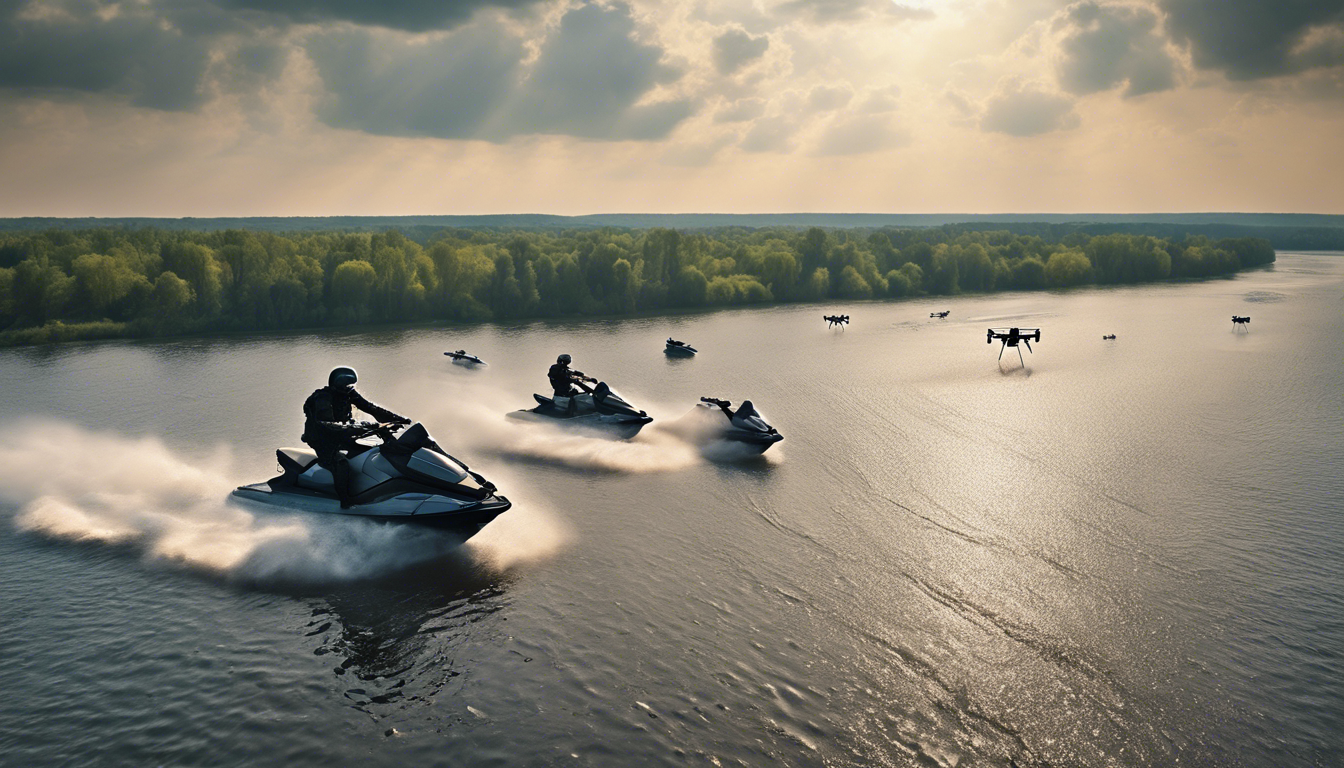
(1127, 553)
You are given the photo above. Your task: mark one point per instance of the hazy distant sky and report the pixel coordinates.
(327, 107)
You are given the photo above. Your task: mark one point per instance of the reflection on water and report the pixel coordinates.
(1120, 553)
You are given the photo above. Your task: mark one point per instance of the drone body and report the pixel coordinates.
(1011, 337)
(942, 314)
(836, 320)
(1238, 320)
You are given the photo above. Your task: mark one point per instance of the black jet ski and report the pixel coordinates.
(679, 348)
(602, 411)
(406, 479)
(746, 426)
(461, 356)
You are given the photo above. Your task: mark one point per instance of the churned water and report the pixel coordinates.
(1126, 552)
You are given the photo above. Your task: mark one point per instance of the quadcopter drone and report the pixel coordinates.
(1011, 337)
(944, 313)
(834, 320)
(1238, 320)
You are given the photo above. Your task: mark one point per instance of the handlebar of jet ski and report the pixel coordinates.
(370, 428)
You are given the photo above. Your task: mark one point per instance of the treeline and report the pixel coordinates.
(59, 285)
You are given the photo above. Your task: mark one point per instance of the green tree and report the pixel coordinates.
(1067, 268)
(172, 294)
(351, 290)
(852, 285)
(1029, 274)
(690, 288)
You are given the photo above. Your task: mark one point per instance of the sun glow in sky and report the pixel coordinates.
(329, 107)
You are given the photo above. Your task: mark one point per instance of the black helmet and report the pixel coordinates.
(563, 359)
(342, 377)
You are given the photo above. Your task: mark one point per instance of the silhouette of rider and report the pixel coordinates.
(328, 427)
(563, 379)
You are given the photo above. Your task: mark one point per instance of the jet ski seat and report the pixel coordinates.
(296, 459)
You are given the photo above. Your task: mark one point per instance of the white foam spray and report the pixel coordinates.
(77, 485)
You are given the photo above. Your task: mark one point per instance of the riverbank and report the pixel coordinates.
(60, 286)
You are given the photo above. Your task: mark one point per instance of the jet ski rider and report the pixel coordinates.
(563, 380)
(328, 427)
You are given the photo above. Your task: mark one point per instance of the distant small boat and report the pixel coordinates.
(944, 313)
(679, 348)
(461, 356)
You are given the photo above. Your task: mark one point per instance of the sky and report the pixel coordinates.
(416, 107)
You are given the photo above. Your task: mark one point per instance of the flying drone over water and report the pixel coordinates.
(836, 320)
(1011, 337)
(1109, 338)
(1238, 320)
(942, 314)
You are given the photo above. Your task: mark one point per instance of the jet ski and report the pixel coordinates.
(601, 410)
(679, 348)
(746, 426)
(406, 479)
(461, 356)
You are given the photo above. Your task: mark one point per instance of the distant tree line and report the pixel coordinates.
(60, 284)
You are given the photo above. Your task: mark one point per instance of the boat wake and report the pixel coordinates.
(75, 485)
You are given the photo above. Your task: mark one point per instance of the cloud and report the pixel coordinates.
(826, 99)
(833, 11)
(1027, 110)
(1252, 39)
(771, 134)
(1105, 46)
(881, 100)
(131, 52)
(740, 111)
(735, 49)
(589, 78)
(861, 134)
(448, 88)
(587, 81)
(407, 15)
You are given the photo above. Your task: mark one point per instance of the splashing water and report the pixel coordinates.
(77, 485)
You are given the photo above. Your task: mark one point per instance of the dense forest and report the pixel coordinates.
(60, 285)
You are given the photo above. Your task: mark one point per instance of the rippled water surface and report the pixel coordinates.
(1126, 552)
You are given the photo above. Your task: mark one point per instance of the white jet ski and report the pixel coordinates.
(406, 479)
(461, 356)
(602, 411)
(679, 348)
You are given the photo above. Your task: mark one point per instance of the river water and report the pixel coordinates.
(1126, 552)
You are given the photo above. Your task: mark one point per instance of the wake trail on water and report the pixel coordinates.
(474, 420)
(74, 484)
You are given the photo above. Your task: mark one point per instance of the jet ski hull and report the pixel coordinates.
(600, 424)
(463, 520)
(405, 480)
(756, 442)
(465, 359)
(674, 351)
(601, 412)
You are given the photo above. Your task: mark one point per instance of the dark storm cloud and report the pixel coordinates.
(447, 88)
(131, 53)
(1250, 39)
(828, 11)
(735, 49)
(587, 82)
(408, 15)
(1105, 46)
(1028, 111)
(589, 77)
